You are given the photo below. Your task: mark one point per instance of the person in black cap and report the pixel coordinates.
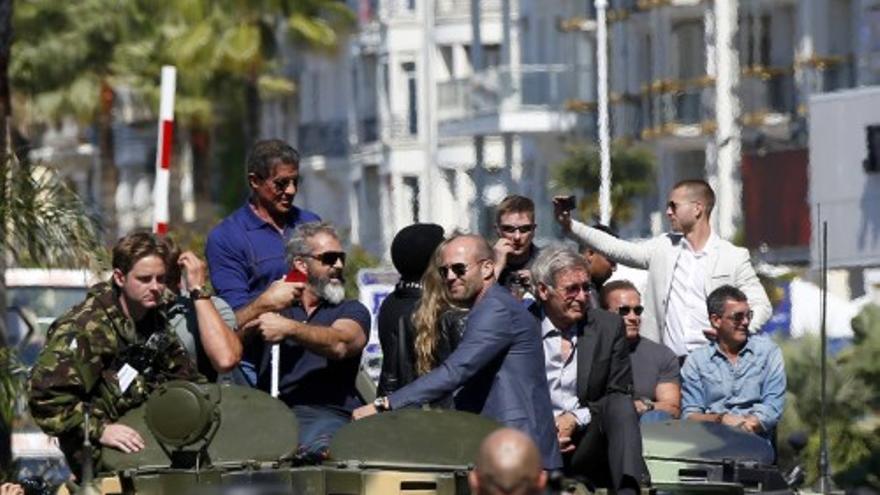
(411, 252)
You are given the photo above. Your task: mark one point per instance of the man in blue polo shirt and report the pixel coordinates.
(245, 252)
(322, 336)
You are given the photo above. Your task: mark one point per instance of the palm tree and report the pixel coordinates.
(633, 176)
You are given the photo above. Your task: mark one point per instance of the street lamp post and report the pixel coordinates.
(602, 89)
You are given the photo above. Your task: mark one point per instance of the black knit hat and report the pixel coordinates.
(412, 248)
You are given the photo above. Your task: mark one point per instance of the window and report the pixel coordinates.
(411, 191)
(412, 95)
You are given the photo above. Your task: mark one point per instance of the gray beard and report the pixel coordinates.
(332, 291)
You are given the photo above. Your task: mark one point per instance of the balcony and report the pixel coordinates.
(528, 98)
(767, 95)
(462, 8)
(837, 73)
(677, 108)
(323, 138)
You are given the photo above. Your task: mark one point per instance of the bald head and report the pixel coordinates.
(509, 463)
(468, 268)
(476, 247)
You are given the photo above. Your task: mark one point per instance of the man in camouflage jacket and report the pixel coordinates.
(108, 353)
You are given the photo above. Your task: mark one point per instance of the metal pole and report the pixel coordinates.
(165, 138)
(824, 474)
(602, 88)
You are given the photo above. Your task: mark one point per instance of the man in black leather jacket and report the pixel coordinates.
(411, 251)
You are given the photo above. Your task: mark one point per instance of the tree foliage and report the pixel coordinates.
(853, 389)
(632, 170)
(64, 50)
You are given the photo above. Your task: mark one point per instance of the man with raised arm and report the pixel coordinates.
(684, 266)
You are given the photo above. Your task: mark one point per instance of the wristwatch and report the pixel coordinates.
(382, 404)
(649, 404)
(200, 293)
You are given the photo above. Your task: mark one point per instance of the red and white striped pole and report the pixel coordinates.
(163, 150)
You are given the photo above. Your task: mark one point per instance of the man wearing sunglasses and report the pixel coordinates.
(497, 368)
(245, 252)
(321, 338)
(656, 384)
(684, 266)
(739, 380)
(514, 250)
(587, 365)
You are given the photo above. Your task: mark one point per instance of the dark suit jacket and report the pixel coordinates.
(603, 366)
(498, 368)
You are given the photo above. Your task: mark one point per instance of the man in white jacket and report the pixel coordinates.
(684, 266)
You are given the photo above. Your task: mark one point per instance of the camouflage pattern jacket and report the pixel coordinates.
(89, 363)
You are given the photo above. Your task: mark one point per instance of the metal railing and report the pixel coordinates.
(507, 88)
(323, 138)
(765, 90)
(838, 76)
(462, 8)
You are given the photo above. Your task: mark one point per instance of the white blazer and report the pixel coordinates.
(729, 265)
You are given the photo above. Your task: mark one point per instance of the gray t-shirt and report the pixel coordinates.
(183, 320)
(652, 363)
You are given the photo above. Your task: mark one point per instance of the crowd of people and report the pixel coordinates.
(537, 339)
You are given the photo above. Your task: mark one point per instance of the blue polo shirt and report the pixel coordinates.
(307, 378)
(245, 254)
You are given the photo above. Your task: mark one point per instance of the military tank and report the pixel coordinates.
(240, 441)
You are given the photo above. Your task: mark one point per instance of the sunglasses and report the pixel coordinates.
(328, 258)
(571, 291)
(522, 229)
(625, 310)
(740, 316)
(281, 185)
(458, 269)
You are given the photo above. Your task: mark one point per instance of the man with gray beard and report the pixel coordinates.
(321, 337)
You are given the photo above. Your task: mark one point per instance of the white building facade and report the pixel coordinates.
(435, 110)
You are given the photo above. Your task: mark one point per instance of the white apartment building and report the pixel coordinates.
(436, 109)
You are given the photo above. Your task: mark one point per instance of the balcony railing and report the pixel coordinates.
(506, 88)
(767, 90)
(462, 8)
(668, 104)
(323, 138)
(838, 76)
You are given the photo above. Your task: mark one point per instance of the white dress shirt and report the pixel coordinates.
(562, 376)
(686, 316)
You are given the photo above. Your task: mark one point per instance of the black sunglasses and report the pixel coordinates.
(281, 185)
(328, 258)
(522, 229)
(459, 269)
(625, 310)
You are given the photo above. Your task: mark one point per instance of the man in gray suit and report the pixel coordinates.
(684, 266)
(498, 367)
(588, 374)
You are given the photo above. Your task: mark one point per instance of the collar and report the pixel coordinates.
(748, 348)
(547, 328)
(251, 221)
(711, 245)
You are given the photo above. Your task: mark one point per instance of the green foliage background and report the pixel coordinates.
(853, 387)
(632, 169)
